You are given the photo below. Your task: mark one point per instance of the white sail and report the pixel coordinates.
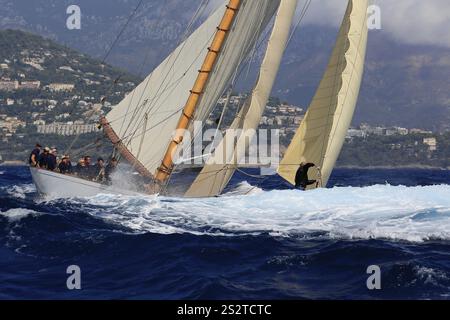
(145, 120)
(221, 166)
(250, 23)
(321, 135)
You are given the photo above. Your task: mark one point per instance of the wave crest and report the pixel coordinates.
(399, 213)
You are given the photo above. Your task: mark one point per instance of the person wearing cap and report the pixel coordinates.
(43, 158)
(34, 155)
(52, 160)
(65, 166)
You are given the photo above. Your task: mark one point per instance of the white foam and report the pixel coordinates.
(14, 215)
(401, 213)
(243, 188)
(20, 191)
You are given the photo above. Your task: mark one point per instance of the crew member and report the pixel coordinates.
(65, 167)
(43, 158)
(84, 169)
(52, 160)
(301, 177)
(99, 170)
(34, 156)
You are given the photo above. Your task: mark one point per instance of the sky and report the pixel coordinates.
(408, 21)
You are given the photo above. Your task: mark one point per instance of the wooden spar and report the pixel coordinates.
(166, 168)
(112, 135)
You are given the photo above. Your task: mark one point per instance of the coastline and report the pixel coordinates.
(13, 163)
(18, 163)
(417, 166)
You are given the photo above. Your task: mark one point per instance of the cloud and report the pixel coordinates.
(409, 21)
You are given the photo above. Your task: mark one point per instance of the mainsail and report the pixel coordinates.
(322, 132)
(221, 166)
(141, 126)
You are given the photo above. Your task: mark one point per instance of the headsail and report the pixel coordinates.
(321, 135)
(143, 123)
(220, 167)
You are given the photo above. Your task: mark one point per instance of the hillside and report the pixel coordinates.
(64, 87)
(406, 85)
(37, 112)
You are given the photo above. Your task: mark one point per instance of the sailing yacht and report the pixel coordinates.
(147, 128)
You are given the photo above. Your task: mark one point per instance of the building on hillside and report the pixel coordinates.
(11, 124)
(402, 131)
(67, 129)
(431, 143)
(355, 133)
(419, 131)
(8, 85)
(30, 85)
(58, 87)
(39, 102)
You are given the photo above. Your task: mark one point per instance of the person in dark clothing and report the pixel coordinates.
(87, 161)
(52, 160)
(84, 168)
(43, 158)
(301, 177)
(81, 169)
(65, 167)
(99, 170)
(34, 156)
(110, 168)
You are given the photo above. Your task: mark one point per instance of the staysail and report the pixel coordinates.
(142, 124)
(321, 135)
(221, 166)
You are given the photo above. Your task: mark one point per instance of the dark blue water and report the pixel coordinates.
(266, 245)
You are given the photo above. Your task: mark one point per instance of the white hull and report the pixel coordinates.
(58, 185)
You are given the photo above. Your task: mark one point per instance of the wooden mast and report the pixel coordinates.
(166, 168)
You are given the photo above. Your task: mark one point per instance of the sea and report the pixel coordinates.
(261, 240)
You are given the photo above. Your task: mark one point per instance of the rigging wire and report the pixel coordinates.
(121, 31)
(104, 60)
(303, 13)
(159, 123)
(139, 110)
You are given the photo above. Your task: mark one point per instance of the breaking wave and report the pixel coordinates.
(384, 212)
(14, 215)
(20, 191)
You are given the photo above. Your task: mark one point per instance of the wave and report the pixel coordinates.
(389, 212)
(14, 215)
(19, 191)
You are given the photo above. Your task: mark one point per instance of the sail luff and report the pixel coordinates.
(166, 166)
(321, 135)
(217, 172)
